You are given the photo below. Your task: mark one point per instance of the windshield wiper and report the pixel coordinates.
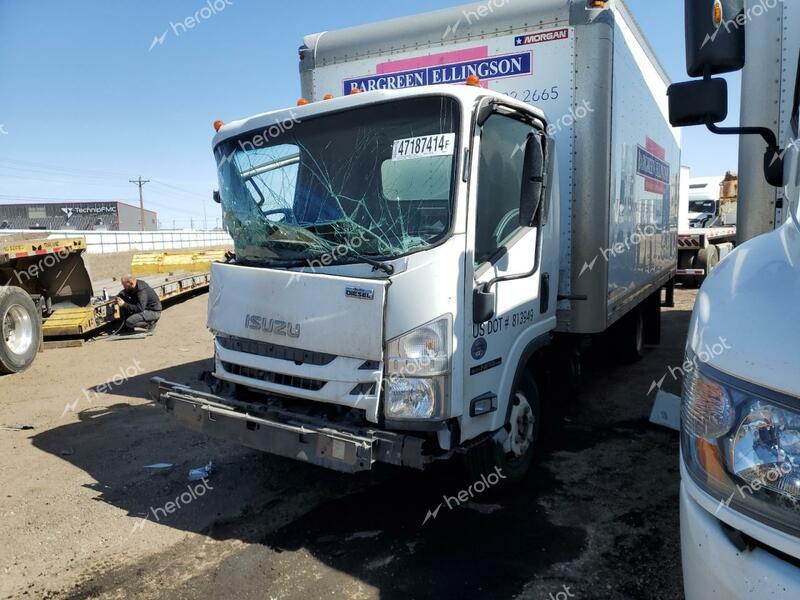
(377, 265)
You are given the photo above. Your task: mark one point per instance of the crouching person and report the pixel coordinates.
(139, 304)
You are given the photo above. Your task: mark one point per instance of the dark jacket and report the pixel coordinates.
(141, 298)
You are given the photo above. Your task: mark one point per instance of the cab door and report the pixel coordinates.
(498, 246)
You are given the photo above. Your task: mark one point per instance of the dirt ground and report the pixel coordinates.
(81, 516)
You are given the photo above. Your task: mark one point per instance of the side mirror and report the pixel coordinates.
(715, 35)
(482, 305)
(698, 102)
(532, 181)
(217, 197)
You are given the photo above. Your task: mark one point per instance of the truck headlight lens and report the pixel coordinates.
(742, 446)
(411, 399)
(418, 372)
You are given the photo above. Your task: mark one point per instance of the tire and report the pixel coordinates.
(629, 337)
(685, 261)
(512, 461)
(707, 259)
(20, 330)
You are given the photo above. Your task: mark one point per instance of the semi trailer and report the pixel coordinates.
(458, 202)
(740, 425)
(704, 239)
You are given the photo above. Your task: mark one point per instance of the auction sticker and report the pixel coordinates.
(443, 144)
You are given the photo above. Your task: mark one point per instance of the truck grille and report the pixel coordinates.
(294, 355)
(302, 383)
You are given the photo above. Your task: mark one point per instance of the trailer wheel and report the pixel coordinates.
(707, 259)
(20, 330)
(513, 459)
(629, 337)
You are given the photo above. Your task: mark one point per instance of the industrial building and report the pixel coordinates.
(110, 215)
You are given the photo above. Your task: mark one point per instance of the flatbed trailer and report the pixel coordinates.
(83, 321)
(46, 293)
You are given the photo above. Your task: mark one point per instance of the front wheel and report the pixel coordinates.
(511, 459)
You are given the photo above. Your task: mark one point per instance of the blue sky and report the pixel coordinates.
(85, 105)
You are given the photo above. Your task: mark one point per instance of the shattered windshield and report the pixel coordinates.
(375, 181)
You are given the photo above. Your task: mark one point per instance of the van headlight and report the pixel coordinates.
(741, 444)
(418, 372)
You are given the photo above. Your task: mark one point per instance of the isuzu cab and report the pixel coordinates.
(458, 201)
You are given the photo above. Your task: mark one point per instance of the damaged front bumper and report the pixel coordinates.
(303, 438)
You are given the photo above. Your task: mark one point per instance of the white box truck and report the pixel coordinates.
(740, 425)
(417, 259)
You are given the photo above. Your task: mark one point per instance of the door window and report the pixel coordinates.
(502, 155)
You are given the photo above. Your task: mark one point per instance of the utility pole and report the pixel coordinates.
(140, 182)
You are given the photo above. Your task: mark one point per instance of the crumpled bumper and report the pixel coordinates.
(300, 437)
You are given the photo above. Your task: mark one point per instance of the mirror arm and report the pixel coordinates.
(764, 132)
(487, 287)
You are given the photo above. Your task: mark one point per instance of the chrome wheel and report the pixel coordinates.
(17, 329)
(523, 426)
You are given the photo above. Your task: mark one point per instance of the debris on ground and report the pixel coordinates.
(159, 467)
(666, 411)
(201, 472)
(16, 427)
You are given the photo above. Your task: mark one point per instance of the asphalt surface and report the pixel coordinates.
(82, 518)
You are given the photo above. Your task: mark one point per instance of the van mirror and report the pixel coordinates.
(715, 34)
(532, 181)
(217, 197)
(698, 102)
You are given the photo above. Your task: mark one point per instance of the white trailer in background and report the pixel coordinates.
(418, 260)
(703, 239)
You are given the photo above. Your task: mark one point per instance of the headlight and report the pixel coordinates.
(418, 372)
(742, 445)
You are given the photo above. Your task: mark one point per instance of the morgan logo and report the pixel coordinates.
(273, 326)
(542, 36)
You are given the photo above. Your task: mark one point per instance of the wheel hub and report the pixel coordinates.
(17, 329)
(523, 423)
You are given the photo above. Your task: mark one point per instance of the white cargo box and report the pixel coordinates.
(604, 94)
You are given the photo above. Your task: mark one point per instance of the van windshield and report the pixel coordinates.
(374, 181)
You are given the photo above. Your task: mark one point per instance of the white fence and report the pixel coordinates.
(108, 242)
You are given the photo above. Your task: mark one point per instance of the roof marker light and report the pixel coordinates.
(302, 102)
(717, 13)
(328, 97)
(355, 91)
(218, 125)
(474, 81)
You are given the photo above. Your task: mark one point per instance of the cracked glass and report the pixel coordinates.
(375, 181)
